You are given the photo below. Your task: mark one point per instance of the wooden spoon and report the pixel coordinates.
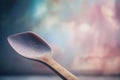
(31, 46)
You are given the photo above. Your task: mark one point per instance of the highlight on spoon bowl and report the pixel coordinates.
(29, 44)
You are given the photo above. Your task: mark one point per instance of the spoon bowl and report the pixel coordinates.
(29, 45)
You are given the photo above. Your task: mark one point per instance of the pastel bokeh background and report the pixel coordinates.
(84, 34)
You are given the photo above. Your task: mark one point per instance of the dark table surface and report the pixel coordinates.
(57, 78)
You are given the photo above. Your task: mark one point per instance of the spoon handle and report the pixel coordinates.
(61, 71)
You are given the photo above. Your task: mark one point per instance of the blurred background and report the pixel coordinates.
(84, 36)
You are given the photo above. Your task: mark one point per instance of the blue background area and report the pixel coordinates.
(16, 16)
